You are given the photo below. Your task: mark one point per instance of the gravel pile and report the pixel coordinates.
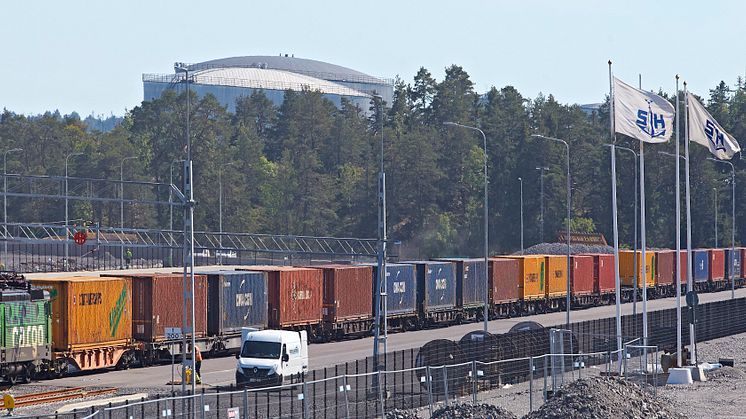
(481, 411)
(604, 398)
(561, 249)
(401, 414)
(726, 373)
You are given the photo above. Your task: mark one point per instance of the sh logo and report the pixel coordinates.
(648, 122)
(716, 137)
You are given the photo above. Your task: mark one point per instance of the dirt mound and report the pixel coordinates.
(481, 411)
(604, 398)
(726, 373)
(561, 249)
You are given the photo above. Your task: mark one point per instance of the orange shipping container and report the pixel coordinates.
(556, 275)
(89, 312)
(627, 268)
(531, 277)
(348, 291)
(295, 295)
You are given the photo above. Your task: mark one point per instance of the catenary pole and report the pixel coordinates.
(5, 205)
(678, 233)
(731, 270)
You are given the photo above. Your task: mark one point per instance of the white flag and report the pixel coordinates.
(642, 115)
(705, 130)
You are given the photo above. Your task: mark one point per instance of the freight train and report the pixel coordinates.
(53, 326)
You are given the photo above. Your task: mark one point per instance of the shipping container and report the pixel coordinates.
(470, 279)
(506, 284)
(683, 262)
(556, 269)
(582, 275)
(604, 281)
(531, 276)
(717, 265)
(89, 312)
(743, 265)
(665, 264)
(701, 265)
(158, 303)
(348, 291)
(627, 268)
(436, 285)
(733, 265)
(295, 295)
(235, 299)
(401, 288)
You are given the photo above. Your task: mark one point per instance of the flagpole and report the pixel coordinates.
(689, 281)
(678, 236)
(643, 245)
(614, 223)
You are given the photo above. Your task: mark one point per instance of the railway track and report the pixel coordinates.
(58, 396)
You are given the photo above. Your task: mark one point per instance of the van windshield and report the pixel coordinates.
(259, 349)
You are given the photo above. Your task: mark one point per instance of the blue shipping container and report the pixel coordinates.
(236, 299)
(470, 276)
(701, 268)
(401, 288)
(436, 285)
(736, 264)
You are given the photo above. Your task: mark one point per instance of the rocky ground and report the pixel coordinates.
(561, 249)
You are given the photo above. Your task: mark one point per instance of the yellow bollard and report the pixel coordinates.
(188, 375)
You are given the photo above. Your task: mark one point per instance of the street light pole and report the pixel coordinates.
(486, 222)
(521, 182)
(634, 295)
(171, 206)
(715, 204)
(733, 226)
(67, 232)
(569, 271)
(220, 209)
(5, 204)
(541, 203)
(121, 204)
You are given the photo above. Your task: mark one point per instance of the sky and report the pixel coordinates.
(89, 56)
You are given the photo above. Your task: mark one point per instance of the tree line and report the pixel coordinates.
(309, 168)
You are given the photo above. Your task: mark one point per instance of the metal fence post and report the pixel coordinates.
(380, 393)
(530, 384)
(305, 402)
(347, 399)
(445, 383)
(246, 403)
(545, 377)
(429, 379)
(624, 360)
(202, 405)
(474, 382)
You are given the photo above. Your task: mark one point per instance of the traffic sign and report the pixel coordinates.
(173, 333)
(692, 299)
(80, 237)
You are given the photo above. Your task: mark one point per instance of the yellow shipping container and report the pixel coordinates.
(627, 268)
(533, 285)
(556, 275)
(89, 312)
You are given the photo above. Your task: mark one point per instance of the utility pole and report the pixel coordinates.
(541, 204)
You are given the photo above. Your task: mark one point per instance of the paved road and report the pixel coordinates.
(221, 371)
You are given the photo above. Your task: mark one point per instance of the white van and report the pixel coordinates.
(268, 357)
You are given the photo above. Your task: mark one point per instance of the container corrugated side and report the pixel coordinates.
(665, 264)
(436, 284)
(701, 265)
(683, 263)
(469, 281)
(506, 283)
(235, 299)
(295, 295)
(401, 286)
(604, 281)
(158, 303)
(582, 275)
(627, 269)
(89, 312)
(717, 265)
(348, 291)
(733, 265)
(532, 276)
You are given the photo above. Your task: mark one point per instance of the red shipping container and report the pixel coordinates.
(505, 280)
(717, 265)
(582, 275)
(603, 273)
(295, 296)
(665, 264)
(348, 291)
(684, 266)
(158, 303)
